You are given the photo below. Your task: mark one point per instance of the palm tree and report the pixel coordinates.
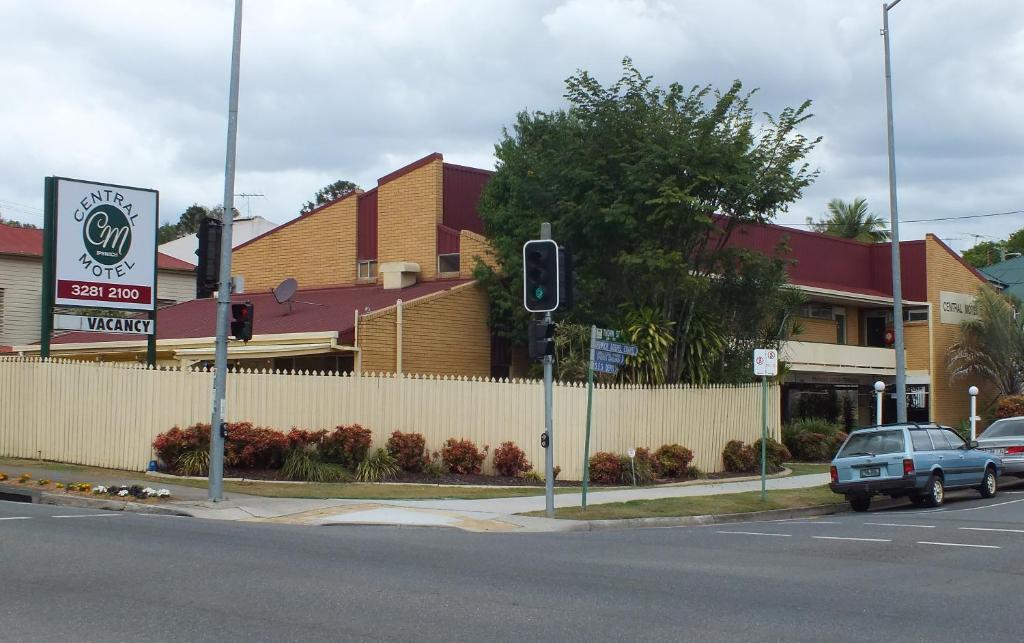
(992, 346)
(851, 221)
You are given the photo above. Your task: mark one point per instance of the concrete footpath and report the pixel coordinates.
(486, 515)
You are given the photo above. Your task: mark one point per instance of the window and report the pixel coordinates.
(915, 314)
(366, 269)
(938, 439)
(955, 441)
(840, 325)
(816, 311)
(1007, 428)
(876, 443)
(920, 440)
(448, 263)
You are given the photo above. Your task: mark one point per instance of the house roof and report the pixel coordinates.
(28, 242)
(313, 310)
(1009, 272)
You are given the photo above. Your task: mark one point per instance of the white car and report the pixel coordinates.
(1005, 438)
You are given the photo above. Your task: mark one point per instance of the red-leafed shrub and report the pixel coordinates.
(606, 467)
(346, 445)
(462, 456)
(250, 447)
(837, 442)
(775, 454)
(672, 460)
(509, 460)
(302, 438)
(738, 457)
(171, 445)
(1010, 406)
(409, 450)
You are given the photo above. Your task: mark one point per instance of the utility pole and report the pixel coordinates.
(549, 453)
(897, 287)
(216, 484)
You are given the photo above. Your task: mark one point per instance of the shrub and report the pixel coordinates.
(347, 445)
(641, 470)
(775, 454)
(837, 442)
(510, 460)
(605, 467)
(672, 460)
(434, 466)
(379, 466)
(462, 456)
(533, 476)
(304, 463)
(738, 457)
(810, 439)
(194, 462)
(303, 438)
(555, 471)
(409, 449)
(170, 446)
(250, 447)
(1010, 406)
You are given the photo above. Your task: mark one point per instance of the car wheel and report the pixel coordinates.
(860, 503)
(934, 492)
(988, 486)
(918, 500)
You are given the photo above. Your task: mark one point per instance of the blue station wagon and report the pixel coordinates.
(916, 461)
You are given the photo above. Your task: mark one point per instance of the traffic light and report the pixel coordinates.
(540, 275)
(241, 321)
(542, 339)
(208, 253)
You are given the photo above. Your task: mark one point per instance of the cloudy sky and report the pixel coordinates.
(136, 92)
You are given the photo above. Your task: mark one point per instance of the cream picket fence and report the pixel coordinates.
(107, 415)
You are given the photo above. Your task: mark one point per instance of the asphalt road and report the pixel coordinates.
(891, 574)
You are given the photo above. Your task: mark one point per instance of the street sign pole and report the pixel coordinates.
(764, 434)
(590, 401)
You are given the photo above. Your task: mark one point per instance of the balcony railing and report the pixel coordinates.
(839, 358)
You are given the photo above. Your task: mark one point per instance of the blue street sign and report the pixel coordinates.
(603, 367)
(615, 347)
(611, 358)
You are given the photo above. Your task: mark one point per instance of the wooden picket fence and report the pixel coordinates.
(107, 415)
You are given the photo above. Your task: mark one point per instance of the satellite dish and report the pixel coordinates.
(286, 290)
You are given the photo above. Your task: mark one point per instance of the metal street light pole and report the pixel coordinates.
(215, 489)
(897, 288)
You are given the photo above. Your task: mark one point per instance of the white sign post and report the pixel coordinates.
(766, 363)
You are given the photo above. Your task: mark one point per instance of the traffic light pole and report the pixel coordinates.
(215, 490)
(549, 453)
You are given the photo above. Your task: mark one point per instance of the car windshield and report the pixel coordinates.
(874, 443)
(1004, 429)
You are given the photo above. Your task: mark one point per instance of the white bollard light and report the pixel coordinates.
(973, 392)
(879, 389)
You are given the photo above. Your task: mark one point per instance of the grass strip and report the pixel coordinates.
(729, 503)
(806, 468)
(364, 491)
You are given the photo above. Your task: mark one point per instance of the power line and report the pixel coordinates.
(953, 218)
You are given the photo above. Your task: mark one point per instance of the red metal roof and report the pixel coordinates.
(824, 261)
(28, 242)
(321, 309)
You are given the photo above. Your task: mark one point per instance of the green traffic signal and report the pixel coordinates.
(538, 293)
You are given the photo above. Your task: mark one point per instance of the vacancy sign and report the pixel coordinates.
(105, 245)
(132, 325)
(766, 361)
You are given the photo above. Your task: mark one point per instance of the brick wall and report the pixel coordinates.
(317, 250)
(915, 341)
(377, 341)
(817, 330)
(409, 208)
(471, 246)
(444, 333)
(950, 402)
(853, 326)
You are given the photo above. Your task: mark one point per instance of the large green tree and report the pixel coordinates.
(646, 185)
(329, 193)
(188, 223)
(991, 347)
(851, 221)
(985, 253)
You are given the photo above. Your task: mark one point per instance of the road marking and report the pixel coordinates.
(866, 540)
(1012, 531)
(926, 542)
(754, 533)
(805, 521)
(898, 524)
(16, 518)
(998, 504)
(88, 515)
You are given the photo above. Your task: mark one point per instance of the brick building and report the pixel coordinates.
(385, 285)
